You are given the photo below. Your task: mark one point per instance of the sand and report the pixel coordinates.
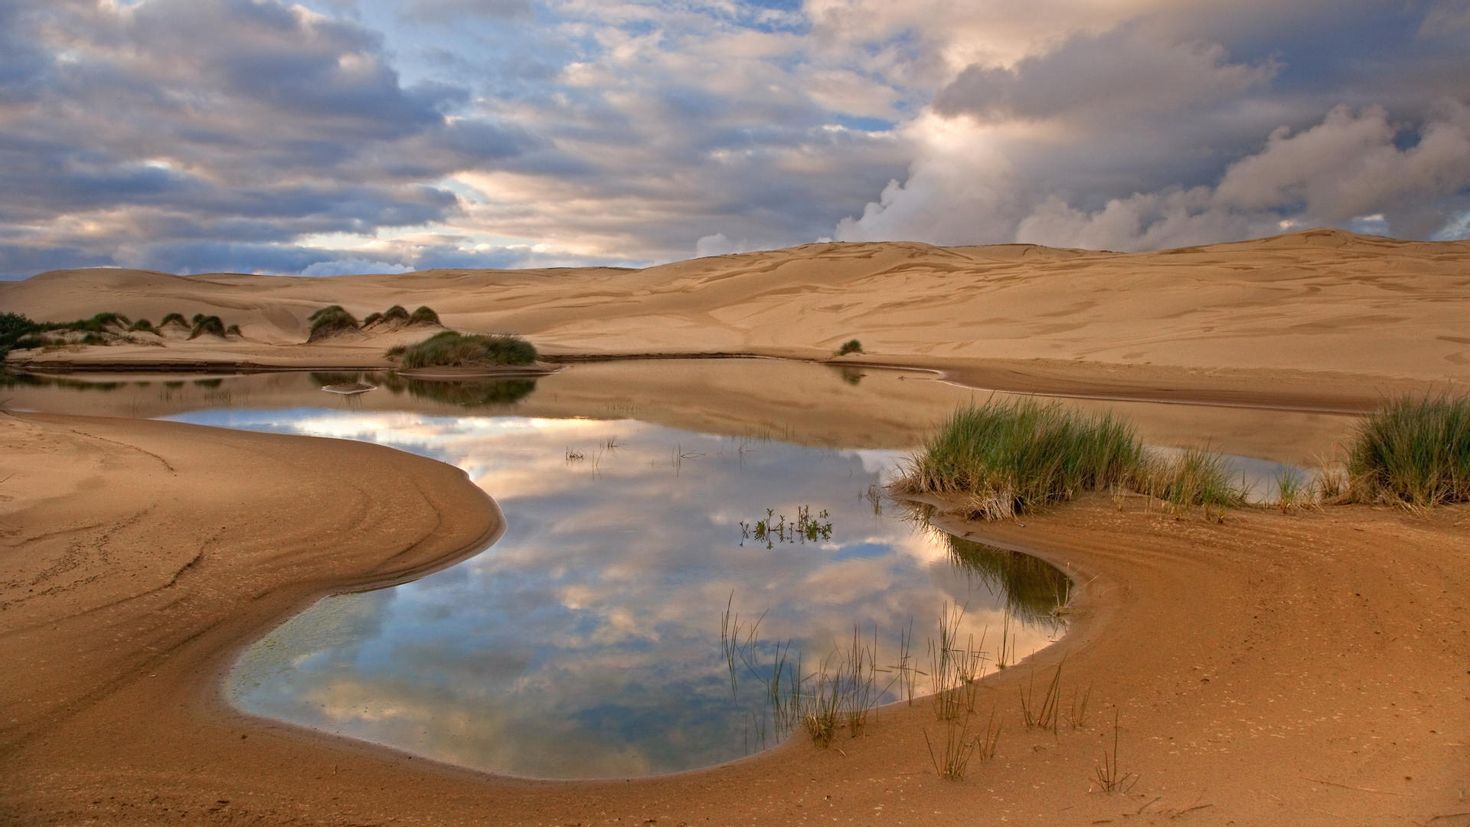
(1307, 669)
(1310, 318)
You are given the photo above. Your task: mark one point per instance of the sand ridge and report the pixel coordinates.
(1368, 308)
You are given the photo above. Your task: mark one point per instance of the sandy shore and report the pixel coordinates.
(1274, 669)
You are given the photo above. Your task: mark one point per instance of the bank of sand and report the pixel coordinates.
(1308, 669)
(1320, 318)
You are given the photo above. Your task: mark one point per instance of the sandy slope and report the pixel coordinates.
(1303, 670)
(1309, 302)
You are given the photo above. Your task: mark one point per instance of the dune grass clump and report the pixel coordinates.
(207, 326)
(233, 330)
(174, 319)
(1013, 457)
(99, 323)
(142, 326)
(1195, 477)
(425, 315)
(18, 332)
(396, 313)
(850, 346)
(371, 319)
(330, 321)
(451, 349)
(1414, 453)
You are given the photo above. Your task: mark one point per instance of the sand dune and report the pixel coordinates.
(1323, 300)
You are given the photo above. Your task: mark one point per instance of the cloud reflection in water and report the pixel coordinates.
(586, 642)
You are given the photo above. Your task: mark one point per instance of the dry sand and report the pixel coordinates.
(1309, 318)
(1304, 669)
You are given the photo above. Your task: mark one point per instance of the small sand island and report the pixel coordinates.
(838, 412)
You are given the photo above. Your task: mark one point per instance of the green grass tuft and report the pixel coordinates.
(173, 318)
(425, 315)
(207, 326)
(371, 319)
(1195, 477)
(330, 321)
(396, 313)
(1013, 457)
(233, 330)
(142, 326)
(451, 349)
(1413, 452)
(850, 346)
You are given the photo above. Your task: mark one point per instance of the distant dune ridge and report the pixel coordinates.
(1321, 300)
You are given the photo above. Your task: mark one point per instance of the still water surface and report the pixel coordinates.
(587, 641)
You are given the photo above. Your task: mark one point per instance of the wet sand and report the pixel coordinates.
(1307, 669)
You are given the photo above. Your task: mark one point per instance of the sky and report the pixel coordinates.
(331, 136)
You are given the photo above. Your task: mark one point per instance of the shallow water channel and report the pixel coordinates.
(678, 534)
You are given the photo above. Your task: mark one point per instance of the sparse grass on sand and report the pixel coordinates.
(451, 349)
(1012, 457)
(1413, 452)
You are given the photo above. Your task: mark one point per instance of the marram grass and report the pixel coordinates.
(1413, 452)
(451, 349)
(1012, 457)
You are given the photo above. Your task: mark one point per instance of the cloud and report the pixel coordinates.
(1112, 76)
(146, 133)
(1153, 133)
(269, 133)
(453, 11)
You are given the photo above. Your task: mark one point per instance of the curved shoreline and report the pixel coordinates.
(151, 749)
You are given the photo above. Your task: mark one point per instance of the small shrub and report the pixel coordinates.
(850, 346)
(17, 332)
(330, 321)
(451, 349)
(396, 313)
(207, 326)
(425, 315)
(1414, 453)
